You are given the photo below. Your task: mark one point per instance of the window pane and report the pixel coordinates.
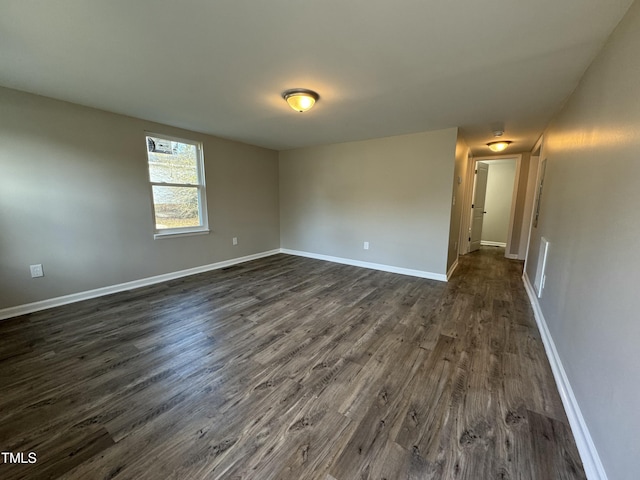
(172, 162)
(176, 207)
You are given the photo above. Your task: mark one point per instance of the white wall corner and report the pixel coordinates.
(589, 455)
(99, 292)
(373, 266)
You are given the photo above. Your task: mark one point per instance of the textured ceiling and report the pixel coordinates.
(381, 68)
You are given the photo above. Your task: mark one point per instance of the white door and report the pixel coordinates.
(477, 208)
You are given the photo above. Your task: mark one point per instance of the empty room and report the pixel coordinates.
(319, 240)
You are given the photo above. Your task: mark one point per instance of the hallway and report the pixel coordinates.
(289, 368)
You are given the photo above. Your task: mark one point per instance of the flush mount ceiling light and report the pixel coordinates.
(498, 146)
(300, 99)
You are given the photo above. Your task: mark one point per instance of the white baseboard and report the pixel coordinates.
(99, 292)
(373, 266)
(487, 243)
(452, 269)
(511, 256)
(590, 459)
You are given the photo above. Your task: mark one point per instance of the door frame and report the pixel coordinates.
(465, 230)
(477, 213)
(537, 151)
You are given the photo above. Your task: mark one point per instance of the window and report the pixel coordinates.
(176, 174)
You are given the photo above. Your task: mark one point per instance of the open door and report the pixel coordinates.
(477, 208)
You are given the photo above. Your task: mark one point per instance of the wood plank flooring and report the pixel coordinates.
(289, 368)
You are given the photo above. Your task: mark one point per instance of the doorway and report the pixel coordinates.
(492, 202)
(491, 207)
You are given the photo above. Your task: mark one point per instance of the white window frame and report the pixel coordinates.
(201, 186)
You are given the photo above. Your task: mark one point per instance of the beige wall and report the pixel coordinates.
(500, 185)
(460, 177)
(530, 191)
(590, 216)
(393, 192)
(74, 196)
(521, 211)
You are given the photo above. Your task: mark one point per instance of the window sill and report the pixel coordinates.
(158, 236)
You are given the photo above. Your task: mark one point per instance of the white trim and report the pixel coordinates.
(487, 243)
(465, 214)
(541, 267)
(463, 236)
(173, 138)
(201, 187)
(538, 145)
(143, 282)
(512, 256)
(175, 233)
(452, 269)
(529, 201)
(588, 453)
(536, 192)
(373, 266)
(99, 292)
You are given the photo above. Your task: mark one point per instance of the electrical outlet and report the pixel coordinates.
(36, 270)
(366, 245)
(235, 240)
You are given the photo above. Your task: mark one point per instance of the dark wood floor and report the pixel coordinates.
(289, 368)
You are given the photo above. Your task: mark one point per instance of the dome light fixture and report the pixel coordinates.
(498, 146)
(300, 99)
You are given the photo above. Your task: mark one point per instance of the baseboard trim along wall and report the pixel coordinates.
(487, 243)
(590, 459)
(99, 292)
(373, 266)
(452, 269)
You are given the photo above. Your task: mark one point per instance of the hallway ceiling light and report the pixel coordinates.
(300, 99)
(498, 146)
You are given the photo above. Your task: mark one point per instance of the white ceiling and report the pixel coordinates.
(381, 67)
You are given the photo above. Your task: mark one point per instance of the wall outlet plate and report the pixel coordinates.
(235, 240)
(36, 270)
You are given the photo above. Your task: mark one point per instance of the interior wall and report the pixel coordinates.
(530, 192)
(500, 185)
(74, 196)
(460, 178)
(521, 209)
(589, 214)
(394, 193)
